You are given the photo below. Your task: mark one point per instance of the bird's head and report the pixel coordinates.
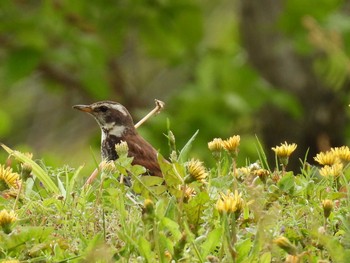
(112, 117)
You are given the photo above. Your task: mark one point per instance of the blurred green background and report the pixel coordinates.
(274, 69)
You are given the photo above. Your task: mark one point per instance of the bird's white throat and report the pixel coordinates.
(112, 129)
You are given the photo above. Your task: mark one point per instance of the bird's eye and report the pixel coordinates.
(103, 108)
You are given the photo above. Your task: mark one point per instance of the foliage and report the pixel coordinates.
(274, 215)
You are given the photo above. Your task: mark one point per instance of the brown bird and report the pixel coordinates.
(117, 125)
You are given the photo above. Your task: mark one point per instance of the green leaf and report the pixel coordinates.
(286, 183)
(212, 240)
(243, 248)
(27, 234)
(151, 180)
(145, 250)
(171, 175)
(37, 170)
(265, 258)
(195, 207)
(262, 155)
(146, 185)
(137, 170)
(186, 148)
(171, 226)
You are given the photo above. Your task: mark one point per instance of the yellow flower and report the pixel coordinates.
(10, 261)
(232, 143)
(327, 158)
(108, 167)
(285, 150)
(244, 171)
(334, 170)
(230, 203)
(196, 171)
(292, 259)
(342, 153)
(8, 178)
(6, 219)
(149, 206)
(189, 192)
(262, 173)
(327, 207)
(286, 245)
(216, 145)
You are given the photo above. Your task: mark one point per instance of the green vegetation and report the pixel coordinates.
(225, 213)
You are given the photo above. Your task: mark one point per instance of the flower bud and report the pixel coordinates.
(327, 207)
(286, 245)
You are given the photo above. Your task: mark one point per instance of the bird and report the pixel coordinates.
(117, 125)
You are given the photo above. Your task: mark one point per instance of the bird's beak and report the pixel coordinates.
(84, 108)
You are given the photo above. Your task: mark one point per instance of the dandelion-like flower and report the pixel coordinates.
(342, 153)
(327, 207)
(232, 143)
(108, 167)
(292, 259)
(286, 245)
(284, 150)
(334, 170)
(8, 178)
(189, 192)
(216, 145)
(230, 203)
(243, 171)
(326, 158)
(262, 174)
(6, 219)
(122, 148)
(196, 171)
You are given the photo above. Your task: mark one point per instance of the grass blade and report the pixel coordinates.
(37, 170)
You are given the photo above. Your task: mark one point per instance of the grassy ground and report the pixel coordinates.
(257, 213)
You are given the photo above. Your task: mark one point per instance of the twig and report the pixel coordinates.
(156, 110)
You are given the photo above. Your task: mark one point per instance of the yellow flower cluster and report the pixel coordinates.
(334, 170)
(8, 177)
(196, 171)
(231, 144)
(230, 203)
(333, 161)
